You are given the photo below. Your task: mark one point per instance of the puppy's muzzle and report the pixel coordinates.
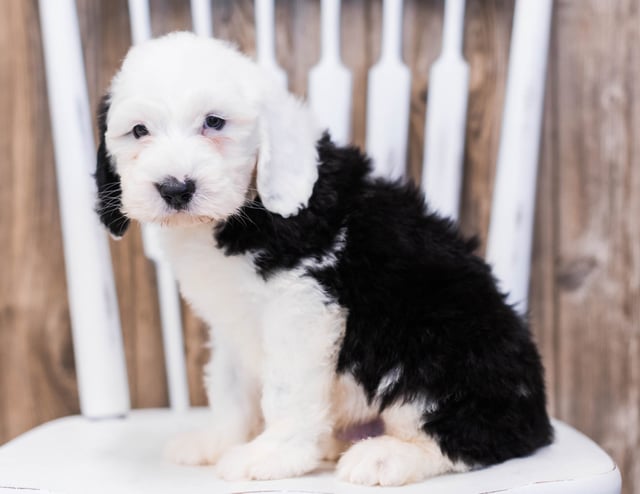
(175, 193)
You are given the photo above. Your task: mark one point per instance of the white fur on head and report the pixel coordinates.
(287, 163)
(170, 85)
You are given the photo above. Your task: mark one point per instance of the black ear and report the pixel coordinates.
(108, 182)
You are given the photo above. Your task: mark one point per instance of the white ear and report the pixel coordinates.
(287, 160)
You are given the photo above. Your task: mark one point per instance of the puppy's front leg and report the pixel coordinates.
(235, 414)
(301, 333)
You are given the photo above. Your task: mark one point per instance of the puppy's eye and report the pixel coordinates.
(213, 122)
(140, 131)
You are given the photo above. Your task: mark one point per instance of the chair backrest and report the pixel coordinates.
(96, 331)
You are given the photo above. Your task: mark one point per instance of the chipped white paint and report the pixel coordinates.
(389, 90)
(265, 40)
(446, 117)
(95, 323)
(330, 81)
(511, 227)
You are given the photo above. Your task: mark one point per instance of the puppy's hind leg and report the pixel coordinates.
(402, 455)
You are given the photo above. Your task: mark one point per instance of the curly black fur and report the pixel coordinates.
(418, 300)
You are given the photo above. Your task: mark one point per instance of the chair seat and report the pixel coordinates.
(75, 455)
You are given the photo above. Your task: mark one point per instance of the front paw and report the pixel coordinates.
(267, 459)
(201, 447)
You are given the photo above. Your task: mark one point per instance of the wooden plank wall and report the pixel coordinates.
(585, 292)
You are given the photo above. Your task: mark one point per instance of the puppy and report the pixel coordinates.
(333, 298)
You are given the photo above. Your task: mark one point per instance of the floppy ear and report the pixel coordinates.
(108, 182)
(287, 160)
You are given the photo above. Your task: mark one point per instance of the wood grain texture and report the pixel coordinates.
(597, 232)
(37, 377)
(486, 49)
(542, 293)
(585, 286)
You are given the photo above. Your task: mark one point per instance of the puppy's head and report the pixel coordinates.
(186, 126)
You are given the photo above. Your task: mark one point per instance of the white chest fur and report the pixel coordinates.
(225, 291)
(267, 328)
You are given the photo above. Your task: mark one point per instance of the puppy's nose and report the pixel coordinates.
(175, 193)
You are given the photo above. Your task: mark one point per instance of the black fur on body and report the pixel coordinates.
(417, 298)
(419, 301)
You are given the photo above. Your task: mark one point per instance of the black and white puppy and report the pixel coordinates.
(333, 298)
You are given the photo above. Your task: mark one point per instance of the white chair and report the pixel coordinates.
(112, 449)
